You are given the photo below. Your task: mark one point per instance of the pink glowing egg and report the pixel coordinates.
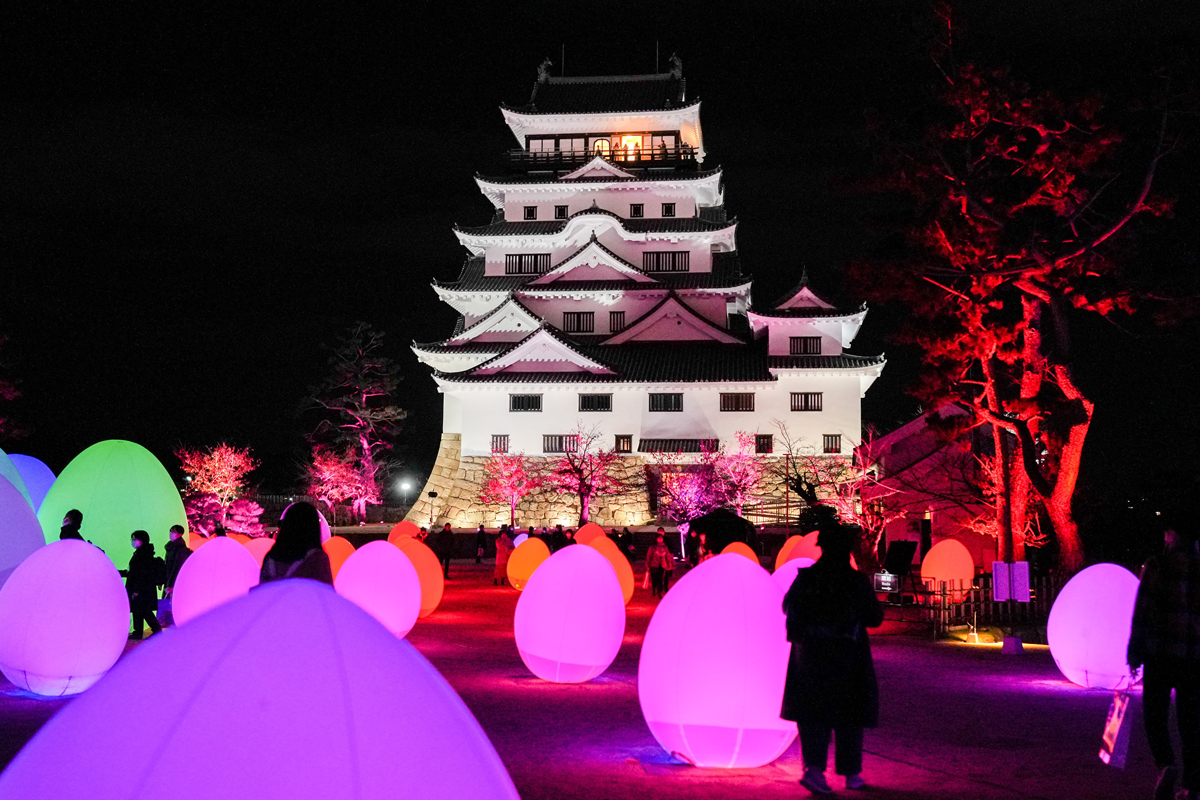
(742, 549)
(570, 619)
(785, 552)
(1088, 629)
(338, 548)
(786, 574)
(588, 532)
(380, 580)
(259, 546)
(64, 619)
(712, 668)
(520, 537)
(20, 531)
(620, 564)
(336, 708)
(37, 476)
(404, 528)
(221, 571)
(524, 560)
(429, 571)
(949, 562)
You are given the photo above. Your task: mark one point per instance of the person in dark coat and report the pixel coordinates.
(558, 539)
(71, 523)
(691, 548)
(176, 553)
(297, 552)
(481, 542)
(141, 584)
(831, 687)
(443, 545)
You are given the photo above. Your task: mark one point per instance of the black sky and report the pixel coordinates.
(192, 202)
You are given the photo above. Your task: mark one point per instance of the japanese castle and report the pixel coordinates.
(607, 294)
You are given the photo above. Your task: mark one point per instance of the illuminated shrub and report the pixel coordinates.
(620, 564)
(334, 705)
(120, 487)
(712, 668)
(404, 528)
(220, 571)
(528, 556)
(429, 572)
(64, 620)
(20, 533)
(380, 580)
(338, 548)
(1089, 626)
(571, 617)
(786, 574)
(259, 547)
(37, 476)
(949, 561)
(588, 532)
(741, 549)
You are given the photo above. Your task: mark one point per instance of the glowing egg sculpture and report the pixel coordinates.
(785, 552)
(64, 620)
(221, 571)
(588, 532)
(353, 711)
(120, 487)
(37, 476)
(949, 562)
(259, 547)
(786, 574)
(338, 548)
(522, 562)
(520, 537)
(570, 618)
(741, 549)
(1089, 626)
(429, 572)
(9, 471)
(20, 533)
(807, 547)
(404, 528)
(620, 564)
(713, 664)
(195, 540)
(380, 580)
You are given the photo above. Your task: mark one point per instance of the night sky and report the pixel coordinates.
(194, 202)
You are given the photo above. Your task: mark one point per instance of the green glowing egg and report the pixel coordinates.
(120, 487)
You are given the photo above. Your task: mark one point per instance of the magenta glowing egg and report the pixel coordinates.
(20, 533)
(570, 619)
(64, 619)
(220, 571)
(37, 476)
(711, 674)
(949, 562)
(1089, 626)
(336, 707)
(380, 580)
(785, 575)
(520, 537)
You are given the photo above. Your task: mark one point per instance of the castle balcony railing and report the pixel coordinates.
(662, 158)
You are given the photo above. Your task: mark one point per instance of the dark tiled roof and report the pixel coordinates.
(615, 93)
(548, 227)
(664, 175)
(726, 274)
(493, 348)
(677, 445)
(807, 312)
(845, 361)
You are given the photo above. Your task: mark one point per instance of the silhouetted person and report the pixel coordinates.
(558, 539)
(831, 687)
(691, 548)
(1165, 638)
(72, 521)
(176, 553)
(297, 551)
(481, 539)
(141, 584)
(443, 545)
(628, 544)
(504, 548)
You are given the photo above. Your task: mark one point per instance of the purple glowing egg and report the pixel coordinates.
(786, 572)
(20, 532)
(10, 473)
(380, 580)
(64, 619)
(220, 571)
(1088, 629)
(712, 668)
(570, 619)
(336, 708)
(37, 476)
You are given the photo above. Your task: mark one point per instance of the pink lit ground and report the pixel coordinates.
(957, 721)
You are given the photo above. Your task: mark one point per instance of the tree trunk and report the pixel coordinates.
(584, 502)
(512, 513)
(1058, 505)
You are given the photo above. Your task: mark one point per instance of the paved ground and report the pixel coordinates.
(958, 720)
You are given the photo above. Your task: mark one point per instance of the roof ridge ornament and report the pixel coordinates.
(543, 74)
(676, 65)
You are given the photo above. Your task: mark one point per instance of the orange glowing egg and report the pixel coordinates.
(588, 532)
(338, 548)
(259, 547)
(194, 540)
(949, 562)
(404, 528)
(785, 552)
(620, 564)
(807, 547)
(240, 538)
(429, 572)
(528, 556)
(742, 549)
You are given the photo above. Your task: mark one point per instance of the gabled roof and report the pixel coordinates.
(802, 302)
(543, 351)
(599, 94)
(597, 168)
(672, 320)
(726, 274)
(549, 227)
(592, 262)
(510, 317)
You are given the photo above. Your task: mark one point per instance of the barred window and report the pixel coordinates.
(665, 261)
(616, 321)
(560, 443)
(668, 209)
(560, 212)
(805, 345)
(832, 443)
(524, 402)
(530, 212)
(499, 442)
(637, 210)
(579, 321)
(806, 401)
(595, 402)
(624, 443)
(526, 263)
(739, 401)
(764, 443)
(666, 402)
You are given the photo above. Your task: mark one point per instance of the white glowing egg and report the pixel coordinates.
(1088, 629)
(20, 533)
(713, 663)
(570, 619)
(786, 573)
(380, 579)
(220, 571)
(336, 708)
(64, 620)
(37, 476)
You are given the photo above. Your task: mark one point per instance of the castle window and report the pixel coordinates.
(524, 402)
(764, 443)
(595, 402)
(805, 345)
(579, 321)
(499, 442)
(665, 261)
(526, 263)
(616, 321)
(806, 401)
(668, 209)
(560, 212)
(559, 443)
(530, 212)
(624, 443)
(737, 401)
(637, 210)
(666, 402)
(832, 443)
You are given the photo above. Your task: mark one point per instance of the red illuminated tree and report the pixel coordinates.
(588, 471)
(242, 516)
(509, 477)
(220, 471)
(1021, 207)
(334, 478)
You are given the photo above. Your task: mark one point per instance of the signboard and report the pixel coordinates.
(1010, 581)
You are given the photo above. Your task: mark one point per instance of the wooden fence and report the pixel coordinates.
(946, 605)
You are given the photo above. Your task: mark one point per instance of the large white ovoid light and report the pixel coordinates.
(1089, 625)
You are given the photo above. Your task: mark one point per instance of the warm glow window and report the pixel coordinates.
(524, 402)
(666, 402)
(560, 212)
(579, 321)
(668, 209)
(805, 345)
(764, 443)
(616, 321)
(624, 443)
(832, 443)
(595, 402)
(806, 401)
(530, 212)
(499, 442)
(666, 261)
(637, 210)
(556, 443)
(737, 401)
(526, 263)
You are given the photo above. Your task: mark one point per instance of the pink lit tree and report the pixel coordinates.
(689, 491)
(242, 516)
(509, 477)
(740, 472)
(588, 471)
(335, 478)
(220, 471)
(204, 513)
